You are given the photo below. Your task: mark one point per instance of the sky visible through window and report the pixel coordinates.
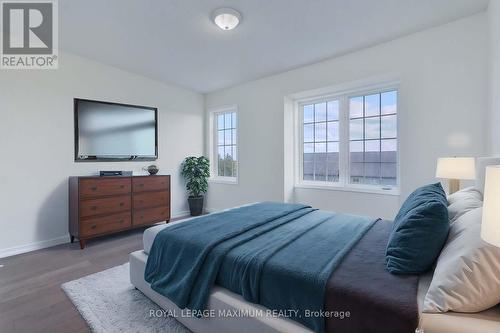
(372, 140)
(226, 144)
(321, 141)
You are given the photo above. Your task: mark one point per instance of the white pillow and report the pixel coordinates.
(467, 274)
(463, 201)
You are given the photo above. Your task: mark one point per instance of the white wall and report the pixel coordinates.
(36, 142)
(494, 57)
(443, 103)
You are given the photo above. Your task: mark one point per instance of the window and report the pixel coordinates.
(349, 140)
(373, 139)
(225, 152)
(321, 141)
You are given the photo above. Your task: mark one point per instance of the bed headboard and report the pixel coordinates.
(481, 164)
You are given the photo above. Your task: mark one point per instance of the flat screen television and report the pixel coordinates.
(107, 131)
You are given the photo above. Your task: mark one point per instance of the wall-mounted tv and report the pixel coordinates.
(106, 131)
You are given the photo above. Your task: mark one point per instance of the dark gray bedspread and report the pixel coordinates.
(377, 300)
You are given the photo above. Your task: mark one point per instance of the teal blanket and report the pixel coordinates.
(277, 255)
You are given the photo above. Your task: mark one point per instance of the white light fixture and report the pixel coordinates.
(490, 228)
(226, 18)
(454, 169)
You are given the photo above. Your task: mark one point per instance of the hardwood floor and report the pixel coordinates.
(31, 299)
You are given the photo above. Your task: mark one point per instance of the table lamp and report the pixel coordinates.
(490, 228)
(455, 169)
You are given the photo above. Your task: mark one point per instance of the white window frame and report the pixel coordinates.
(213, 146)
(344, 173)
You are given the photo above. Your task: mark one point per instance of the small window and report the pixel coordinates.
(320, 141)
(225, 145)
(373, 153)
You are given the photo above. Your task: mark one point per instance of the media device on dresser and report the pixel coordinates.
(115, 173)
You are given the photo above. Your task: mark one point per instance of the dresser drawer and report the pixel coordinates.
(152, 215)
(104, 186)
(150, 199)
(104, 206)
(151, 183)
(101, 225)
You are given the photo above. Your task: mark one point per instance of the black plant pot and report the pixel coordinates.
(196, 205)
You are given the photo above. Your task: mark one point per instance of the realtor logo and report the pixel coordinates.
(29, 35)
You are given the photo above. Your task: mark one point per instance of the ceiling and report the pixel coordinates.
(175, 41)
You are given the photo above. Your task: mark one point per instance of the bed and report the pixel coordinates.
(229, 312)
(224, 300)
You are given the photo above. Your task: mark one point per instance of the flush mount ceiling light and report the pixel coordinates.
(226, 18)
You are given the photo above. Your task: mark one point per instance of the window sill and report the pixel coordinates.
(350, 188)
(223, 180)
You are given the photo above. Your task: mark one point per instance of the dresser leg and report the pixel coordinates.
(82, 243)
(72, 238)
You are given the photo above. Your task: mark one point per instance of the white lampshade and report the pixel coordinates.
(226, 18)
(456, 168)
(490, 229)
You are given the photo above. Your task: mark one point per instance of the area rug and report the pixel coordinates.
(109, 303)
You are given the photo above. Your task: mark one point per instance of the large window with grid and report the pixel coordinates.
(226, 159)
(349, 140)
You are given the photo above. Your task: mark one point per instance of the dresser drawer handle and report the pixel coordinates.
(122, 204)
(141, 201)
(93, 227)
(94, 188)
(121, 221)
(141, 185)
(123, 186)
(93, 207)
(163, 213)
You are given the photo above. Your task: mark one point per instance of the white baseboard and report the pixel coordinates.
(183, 213)
(12, 251)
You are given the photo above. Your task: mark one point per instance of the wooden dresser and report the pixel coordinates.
(105, 205)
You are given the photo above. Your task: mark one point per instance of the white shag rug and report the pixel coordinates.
(109, 303)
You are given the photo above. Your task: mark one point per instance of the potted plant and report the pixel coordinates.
(196, 171)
